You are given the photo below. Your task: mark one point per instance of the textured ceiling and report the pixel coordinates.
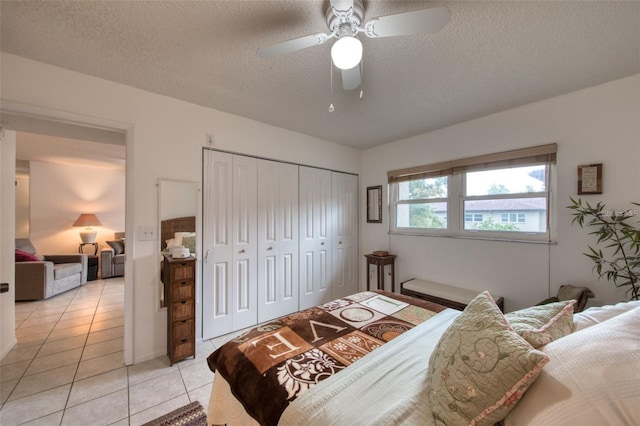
(492, 56)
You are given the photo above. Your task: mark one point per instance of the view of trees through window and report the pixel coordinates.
(429, 214)
(510, 199)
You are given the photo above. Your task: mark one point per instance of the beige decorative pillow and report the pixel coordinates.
(480, 367)
(543, 324)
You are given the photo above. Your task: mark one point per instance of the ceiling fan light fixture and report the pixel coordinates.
(346, 52)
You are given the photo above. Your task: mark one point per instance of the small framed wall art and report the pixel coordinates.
(374, 204)
(590, 179)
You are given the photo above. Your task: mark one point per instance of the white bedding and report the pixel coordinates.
(398, 368)
(593, 378)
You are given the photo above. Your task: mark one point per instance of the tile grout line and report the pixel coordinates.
(22, 376)
(73, 380)
(36, 355)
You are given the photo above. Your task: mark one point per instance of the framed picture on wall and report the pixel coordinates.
(590, 179)
(374, 204)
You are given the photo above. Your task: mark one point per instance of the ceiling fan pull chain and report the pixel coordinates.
(361, 79)
(331, 107)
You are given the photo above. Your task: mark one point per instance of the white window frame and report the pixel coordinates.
(455, 210)
(410, 230)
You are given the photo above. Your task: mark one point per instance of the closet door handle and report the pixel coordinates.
(241, 251)
(269, 248)
(322, 243)
(340, 242)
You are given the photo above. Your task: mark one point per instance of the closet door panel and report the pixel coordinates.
(245, 247)
(277, 239)
(217, 312)
(345, 234)
(315, 236)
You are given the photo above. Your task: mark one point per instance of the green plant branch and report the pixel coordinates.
(620, 238)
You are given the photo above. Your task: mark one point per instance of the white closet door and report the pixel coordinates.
(245, 243)
(315, 236)
(277, 239)
(344, 235)
(217, 244)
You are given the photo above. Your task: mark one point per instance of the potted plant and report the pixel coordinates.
(618, 235)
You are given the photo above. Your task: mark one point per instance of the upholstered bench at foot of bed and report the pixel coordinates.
(446, 295)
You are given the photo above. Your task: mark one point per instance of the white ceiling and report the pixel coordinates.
(492, 56)
(69, 151)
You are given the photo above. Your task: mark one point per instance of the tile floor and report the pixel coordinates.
(68, 368)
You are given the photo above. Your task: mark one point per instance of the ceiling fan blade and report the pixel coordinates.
(416, 22)
(293, 45)
(351, 78)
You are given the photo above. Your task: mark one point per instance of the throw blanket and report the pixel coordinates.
(274, 363)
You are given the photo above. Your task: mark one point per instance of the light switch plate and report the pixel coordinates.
(147, 233)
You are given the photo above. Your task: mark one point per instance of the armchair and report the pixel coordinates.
(41, 277)
(112, 259)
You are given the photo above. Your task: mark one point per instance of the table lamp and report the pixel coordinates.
(88, 235)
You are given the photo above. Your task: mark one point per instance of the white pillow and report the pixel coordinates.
(178, 236)
(598, 314)
(170, 243)
(592, 378)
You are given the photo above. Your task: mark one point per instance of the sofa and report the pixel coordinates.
(113, 258)
(41, 277)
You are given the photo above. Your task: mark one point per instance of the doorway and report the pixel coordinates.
(87, 142)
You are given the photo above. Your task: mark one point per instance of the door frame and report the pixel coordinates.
(43, 113)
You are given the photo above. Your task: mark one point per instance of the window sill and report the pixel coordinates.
(473, 237)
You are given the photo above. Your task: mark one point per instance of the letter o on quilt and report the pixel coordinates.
(480, 367)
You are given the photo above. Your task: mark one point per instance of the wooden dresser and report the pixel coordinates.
(178, 276)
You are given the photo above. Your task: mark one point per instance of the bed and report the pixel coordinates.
(380, 358)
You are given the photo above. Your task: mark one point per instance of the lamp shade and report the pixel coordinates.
(346, 53)
(87, 219)
(88, 235)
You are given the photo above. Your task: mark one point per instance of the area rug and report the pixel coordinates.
(190, 415)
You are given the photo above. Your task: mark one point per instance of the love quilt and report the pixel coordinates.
(273, 363)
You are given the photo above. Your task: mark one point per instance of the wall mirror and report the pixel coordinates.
(374, 204)
(177, 204)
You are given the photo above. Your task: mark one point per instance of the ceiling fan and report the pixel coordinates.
(345, 21)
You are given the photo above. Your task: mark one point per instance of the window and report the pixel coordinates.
(514, 217)
(500, 196)
(422, 203)
(473, 217)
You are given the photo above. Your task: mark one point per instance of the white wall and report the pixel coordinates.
(61, 192)
(166, 138)
(596, 125)
(7, 245)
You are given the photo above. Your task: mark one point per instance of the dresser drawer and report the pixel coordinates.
(182, 271)
(183, 348)
(182, 290)
(182, 329)
(183, 310)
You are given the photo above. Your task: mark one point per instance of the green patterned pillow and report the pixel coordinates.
(543, 324)
(190, 243)
(480, 367)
